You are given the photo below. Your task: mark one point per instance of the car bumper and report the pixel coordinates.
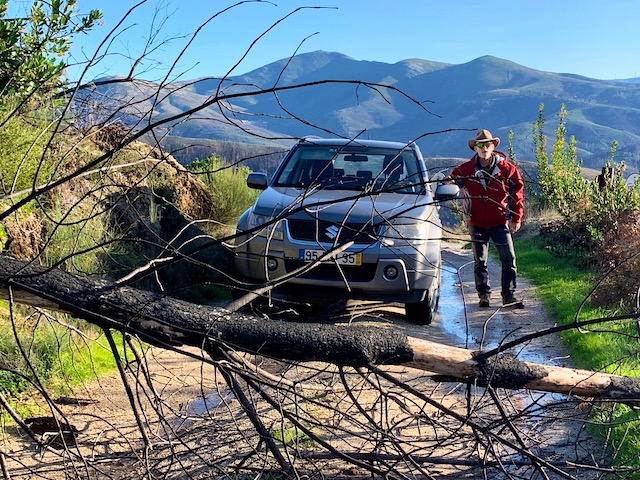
(389, 274)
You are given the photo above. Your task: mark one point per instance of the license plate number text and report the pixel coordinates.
(345, 258)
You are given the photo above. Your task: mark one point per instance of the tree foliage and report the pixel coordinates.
(32, 48)
(589, 208)
(599, 216)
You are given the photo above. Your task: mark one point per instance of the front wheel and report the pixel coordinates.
(422, 313)
(241, 287)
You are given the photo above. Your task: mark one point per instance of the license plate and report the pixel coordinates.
(345, 258)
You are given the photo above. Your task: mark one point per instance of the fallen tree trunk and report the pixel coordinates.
(166, 321)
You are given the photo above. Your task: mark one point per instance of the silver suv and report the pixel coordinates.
(353, 219)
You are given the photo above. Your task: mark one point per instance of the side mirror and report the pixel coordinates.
(446, 191)
(257, 180)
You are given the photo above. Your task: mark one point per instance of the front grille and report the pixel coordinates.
(330, 272)
(324, 231)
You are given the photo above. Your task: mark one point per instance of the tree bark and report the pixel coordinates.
(165, 321)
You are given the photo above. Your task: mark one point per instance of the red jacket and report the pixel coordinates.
(495, 199)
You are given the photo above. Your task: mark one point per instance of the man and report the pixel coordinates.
(493, 211)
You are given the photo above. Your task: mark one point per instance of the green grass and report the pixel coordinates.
(563, 286)
(292, 437)
(59, 355)
(608, 346)
(86, 359)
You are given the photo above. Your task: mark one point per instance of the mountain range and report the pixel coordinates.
(438, 105)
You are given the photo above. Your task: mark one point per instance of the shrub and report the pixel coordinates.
(32, 47)
(58, 352)
(599, 219)
(560, 181)
(589, 209)
(75, 244)
(21, 147)
(567, 241)
(227, 185)
(620, 262)
(36, 355)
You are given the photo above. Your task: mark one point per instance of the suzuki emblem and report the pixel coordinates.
(332, 232)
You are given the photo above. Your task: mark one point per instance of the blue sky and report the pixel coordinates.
(586, 37)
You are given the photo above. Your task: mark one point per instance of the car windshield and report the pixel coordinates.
(352, 168)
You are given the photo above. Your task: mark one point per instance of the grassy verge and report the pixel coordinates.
(57, 354)
(563, 286)
(609, 346)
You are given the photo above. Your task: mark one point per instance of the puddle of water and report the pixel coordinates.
(202, 405)
(451, 307)
(491, 330)
(210, 401)
(488, 331)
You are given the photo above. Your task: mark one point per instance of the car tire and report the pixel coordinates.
(241, 288)
(236, 293)
(423, 313)
(259, 303)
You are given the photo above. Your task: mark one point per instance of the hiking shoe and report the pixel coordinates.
(484, 301)
(511, 301)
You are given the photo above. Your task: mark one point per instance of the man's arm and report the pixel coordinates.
(516, 200)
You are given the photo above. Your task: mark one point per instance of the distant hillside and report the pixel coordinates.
(487, 92)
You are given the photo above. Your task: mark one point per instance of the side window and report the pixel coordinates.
(288, 174)
(413, 175)
(401, 173)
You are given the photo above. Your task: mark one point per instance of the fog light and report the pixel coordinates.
(272, 264)
(391, 272)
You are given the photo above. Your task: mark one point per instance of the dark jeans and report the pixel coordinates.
(501, 238)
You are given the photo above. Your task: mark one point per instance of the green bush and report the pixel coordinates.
(59, 352)
(75, 239)
(589, 210)
(560, 181)
(21, 147)
(227, 184)
(34, 354)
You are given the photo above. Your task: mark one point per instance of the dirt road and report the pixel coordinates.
(398, 421)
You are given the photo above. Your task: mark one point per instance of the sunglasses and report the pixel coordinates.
(483, 144)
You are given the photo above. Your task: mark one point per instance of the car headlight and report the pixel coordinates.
(273, 231)
(393, 235)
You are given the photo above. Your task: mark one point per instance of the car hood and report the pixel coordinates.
(338, 205)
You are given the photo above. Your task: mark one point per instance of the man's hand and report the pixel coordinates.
(514, 226)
